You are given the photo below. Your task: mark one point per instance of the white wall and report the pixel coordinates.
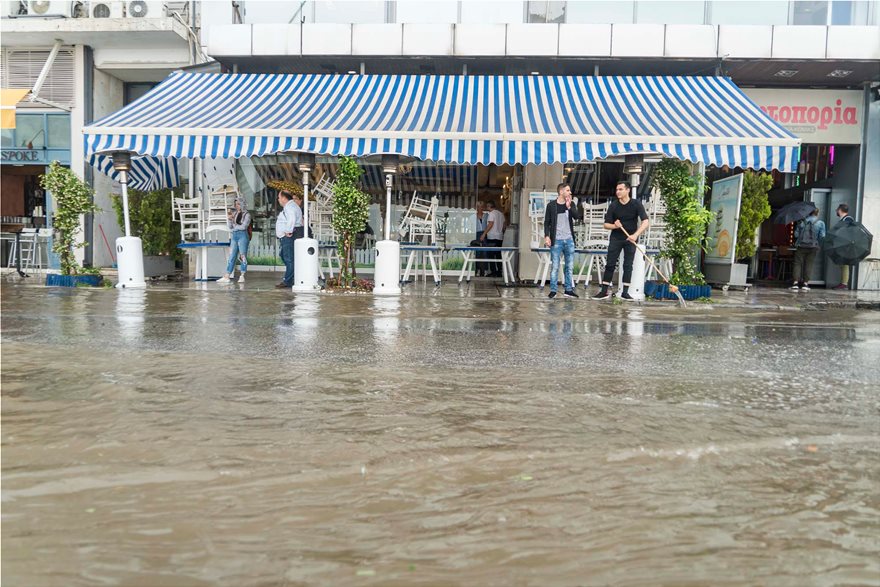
(870, 213)
(108, 98)
(536, 178)
(77, 121)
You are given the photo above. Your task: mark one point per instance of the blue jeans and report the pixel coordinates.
(562, 246)
(287, 257)
(239, 247)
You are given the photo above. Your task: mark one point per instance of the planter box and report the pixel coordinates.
(72, 280)
(158, 265)
(661, 291)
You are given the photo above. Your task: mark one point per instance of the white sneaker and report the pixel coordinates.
(795, 287)
(224, 279)
(805, 287)
(241, 278)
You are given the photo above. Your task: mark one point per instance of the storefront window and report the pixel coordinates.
(546, 12)
(662, 12)
(609, 12)
(754, 12)
(480, 12)
(29, 132)
(809, 12)
(433, 11)
(344, 12)
(58, 126)
(850, 13)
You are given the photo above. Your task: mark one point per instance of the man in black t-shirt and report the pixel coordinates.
(629, 214)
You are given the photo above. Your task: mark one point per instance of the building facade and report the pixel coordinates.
(86, 60)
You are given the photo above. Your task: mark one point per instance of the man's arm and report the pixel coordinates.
(642, 228)
(489, 225)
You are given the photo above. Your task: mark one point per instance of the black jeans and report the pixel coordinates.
(629, 253)
(495, 267)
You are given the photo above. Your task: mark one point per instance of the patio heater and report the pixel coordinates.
(129, 249)
(305, 249)
(387, 276)
(634, 166)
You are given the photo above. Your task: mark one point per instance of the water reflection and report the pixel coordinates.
(130, 307)
(386, 321)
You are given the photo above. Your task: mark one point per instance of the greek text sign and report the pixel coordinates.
(816, 116)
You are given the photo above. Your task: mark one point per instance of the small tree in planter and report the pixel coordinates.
(351, 209)
(686, 220)
(150, 218)
(73, 198)
(753, 211)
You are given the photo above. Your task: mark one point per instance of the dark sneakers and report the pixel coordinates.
(603, 294)
(552, 295)
(570, 294)
(626, 297)
(282, 285)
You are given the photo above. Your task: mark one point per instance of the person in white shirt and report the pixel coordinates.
(493, 235)
(289, 219)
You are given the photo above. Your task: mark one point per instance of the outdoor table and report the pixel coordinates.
(470, 260)
(429, 252)
(594, 257)
(202, 259)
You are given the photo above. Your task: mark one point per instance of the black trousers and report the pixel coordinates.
(496, 267)
(629, 253)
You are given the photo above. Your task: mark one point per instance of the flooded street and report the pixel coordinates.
(252, 437)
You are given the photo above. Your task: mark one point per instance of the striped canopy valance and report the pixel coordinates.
(454, 119)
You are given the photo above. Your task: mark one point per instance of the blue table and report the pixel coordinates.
(202, 258)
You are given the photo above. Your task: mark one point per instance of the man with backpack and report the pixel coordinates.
(808, 236)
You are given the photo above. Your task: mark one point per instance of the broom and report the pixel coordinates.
(640, 249)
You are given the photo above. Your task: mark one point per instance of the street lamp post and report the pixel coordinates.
(305, 249)
(129, 249)
(387, 276)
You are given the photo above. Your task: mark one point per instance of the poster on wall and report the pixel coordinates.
(726, 196)
(538, 203)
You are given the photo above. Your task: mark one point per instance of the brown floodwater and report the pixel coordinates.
(252, 437)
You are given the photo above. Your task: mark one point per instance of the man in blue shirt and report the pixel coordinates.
(287, 222)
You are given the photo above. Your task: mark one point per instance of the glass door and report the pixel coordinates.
(822, 199)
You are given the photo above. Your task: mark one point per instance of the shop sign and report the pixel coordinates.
(21, 156)
(816, 116)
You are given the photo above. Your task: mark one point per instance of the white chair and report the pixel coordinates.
(420, 220)
(321, 211)
(27, 247)
(220, 201)
(188, 212)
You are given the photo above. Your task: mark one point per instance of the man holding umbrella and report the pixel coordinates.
(845, 219)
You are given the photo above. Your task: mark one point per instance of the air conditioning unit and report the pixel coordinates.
(49, 8)
(107, 9)
(145, 9)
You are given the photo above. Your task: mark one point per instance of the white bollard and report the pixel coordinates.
(387, 275)
(130, 262)
(305, 265)
(637, 282)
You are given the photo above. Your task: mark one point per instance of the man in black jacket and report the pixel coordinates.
(559, 220)
(630, 215)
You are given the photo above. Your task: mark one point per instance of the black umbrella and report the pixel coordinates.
(793, 212)
(848, 243)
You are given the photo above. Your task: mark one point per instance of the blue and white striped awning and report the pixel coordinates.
(453, 119)
(147, 173)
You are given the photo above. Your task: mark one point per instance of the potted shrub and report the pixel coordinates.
(73, 198)
(351, 210)
(686, 222)
(151, 219)
(754, 210)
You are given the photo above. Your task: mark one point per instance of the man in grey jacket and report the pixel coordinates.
(559, 217)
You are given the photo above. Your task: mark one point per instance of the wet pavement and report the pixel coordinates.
(195, 434)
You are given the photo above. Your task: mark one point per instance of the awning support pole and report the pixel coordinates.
(44, 73)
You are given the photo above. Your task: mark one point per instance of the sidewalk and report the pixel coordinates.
(485, 289)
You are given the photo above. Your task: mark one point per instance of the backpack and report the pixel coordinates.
(809, 239)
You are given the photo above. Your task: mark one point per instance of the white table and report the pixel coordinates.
(428, 253)
(470, 259)
(202, 258)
